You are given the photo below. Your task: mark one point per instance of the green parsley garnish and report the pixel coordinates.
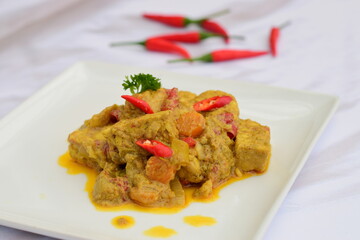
(141, 82)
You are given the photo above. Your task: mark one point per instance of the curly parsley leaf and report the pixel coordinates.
(141, 82)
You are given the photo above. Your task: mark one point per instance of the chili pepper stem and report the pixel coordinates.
(117, 44)
(284, 25)
(182, 60)
(217, 14)
(213, 15)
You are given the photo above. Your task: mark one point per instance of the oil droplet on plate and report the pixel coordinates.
(160, 232)
(123, 222)
(199, 221)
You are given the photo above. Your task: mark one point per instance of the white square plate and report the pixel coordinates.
(38, 195)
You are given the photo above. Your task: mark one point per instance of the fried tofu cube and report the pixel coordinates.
(252, 146)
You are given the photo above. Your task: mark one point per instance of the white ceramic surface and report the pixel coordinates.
(39, 196)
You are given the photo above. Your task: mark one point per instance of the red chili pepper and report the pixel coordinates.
(215, 27)
(274, 38)
(224, 55)
(211, 103)
(171, 20)
(189, 37)
(192, 37)
(227, 54)
(190, 141)
(141, 104)
(155, 147)
(179, 20)
(166, 46)
(158, 45)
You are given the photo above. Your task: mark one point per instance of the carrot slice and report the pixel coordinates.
(159, 169)
(191, 124)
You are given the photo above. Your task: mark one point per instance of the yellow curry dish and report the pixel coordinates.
(162, 141)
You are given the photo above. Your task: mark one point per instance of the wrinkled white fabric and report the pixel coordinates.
(319, 51)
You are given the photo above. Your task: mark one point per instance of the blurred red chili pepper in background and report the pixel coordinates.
(224, 55)
(141, 104)
(188, 37)
(157, 45)
(192, 37)
(155, 147)
(179, 20)
(228, 54)
(215, 27)
(161, 45)
(274, 38)
(171, 20)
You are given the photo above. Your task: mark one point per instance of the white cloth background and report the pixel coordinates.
(319, 52)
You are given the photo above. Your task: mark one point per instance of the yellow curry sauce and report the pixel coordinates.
(160, 232)
(199, 221)
(123, 222)
(74, 168)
